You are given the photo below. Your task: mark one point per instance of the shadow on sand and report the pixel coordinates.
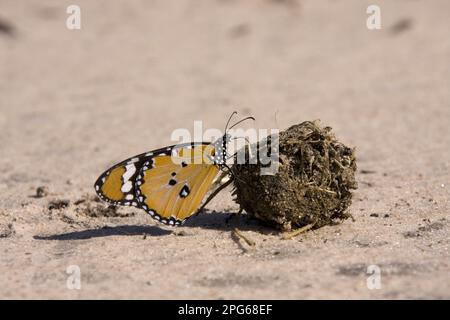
(125, 230)
(220, 221)
(225, 221)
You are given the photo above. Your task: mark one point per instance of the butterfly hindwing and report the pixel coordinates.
(172, 188)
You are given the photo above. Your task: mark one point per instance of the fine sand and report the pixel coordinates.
(74, 102)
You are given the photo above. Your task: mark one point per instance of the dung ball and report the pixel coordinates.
(313, 183)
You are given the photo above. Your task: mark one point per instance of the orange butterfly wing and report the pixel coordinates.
(168, 183)
(171, 188)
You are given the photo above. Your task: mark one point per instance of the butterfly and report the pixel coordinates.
(168, 183)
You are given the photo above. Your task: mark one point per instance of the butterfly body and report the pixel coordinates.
(220, 151)
(168, 183)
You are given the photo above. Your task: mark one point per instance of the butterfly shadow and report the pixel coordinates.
(227, 221)
(222, 221)
(124, 230)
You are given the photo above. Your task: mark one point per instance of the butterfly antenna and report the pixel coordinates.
(276, 119)
(229, 119)
(242, 120)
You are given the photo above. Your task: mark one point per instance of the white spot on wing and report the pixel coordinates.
(126, 187)
(130, 170)
(134, 160)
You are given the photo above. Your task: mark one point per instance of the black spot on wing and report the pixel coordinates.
(172, 182)
(184, 192)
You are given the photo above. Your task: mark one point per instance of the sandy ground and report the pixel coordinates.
(75, 102)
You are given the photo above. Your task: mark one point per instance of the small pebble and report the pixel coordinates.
(41, 192)
(58, 204)
(7, 231)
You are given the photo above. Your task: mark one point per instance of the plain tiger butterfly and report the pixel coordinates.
(168, 183)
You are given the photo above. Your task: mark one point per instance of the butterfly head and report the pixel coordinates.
(220, 155)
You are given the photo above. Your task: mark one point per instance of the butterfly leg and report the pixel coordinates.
(218, 181)
(233, 176)
(212, 195)
(234, 214)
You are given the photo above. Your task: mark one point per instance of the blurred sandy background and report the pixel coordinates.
(73, 102)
